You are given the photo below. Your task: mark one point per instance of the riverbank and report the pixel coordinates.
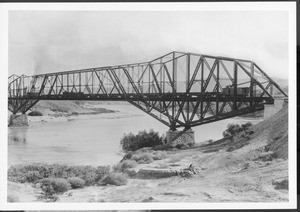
(223, 171)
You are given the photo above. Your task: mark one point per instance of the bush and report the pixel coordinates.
(129, 164)
(76, 182)
(52, 186)
(143, 158)
(247, 125)
(33, 176)
(233, 129)
(131, 142)
(124, 165)
(35, 113)
(162, 147)
(284, 184)
(159, 155)
(117, 179)
(127, 156)
(31, 172)
(148, 156)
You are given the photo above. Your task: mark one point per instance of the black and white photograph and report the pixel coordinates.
(160, 104)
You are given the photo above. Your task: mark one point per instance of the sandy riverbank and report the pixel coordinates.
(254, 172)
(221, 177)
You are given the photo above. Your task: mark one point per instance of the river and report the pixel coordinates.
(92, 139)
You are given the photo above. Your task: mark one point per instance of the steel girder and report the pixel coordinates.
(178, 89)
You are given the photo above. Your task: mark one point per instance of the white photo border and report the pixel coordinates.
(290, 7)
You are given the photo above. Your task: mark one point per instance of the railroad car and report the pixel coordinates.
(73, 95)
(241, 91)
(32, 94)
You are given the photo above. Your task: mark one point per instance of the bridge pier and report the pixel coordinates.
(271, 109)
(180, 138)
(20, 120)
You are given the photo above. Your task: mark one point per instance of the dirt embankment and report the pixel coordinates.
(251, 167)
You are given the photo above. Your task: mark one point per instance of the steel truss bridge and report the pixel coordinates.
(178, 89)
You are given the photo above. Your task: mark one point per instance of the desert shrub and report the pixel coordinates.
(130, 172)
(247, 125)
(117, 179)
(126, 164)
(186, 174)
(52, 186)
(33, 176)
(76, 182)
(89, 174)
(162, 147)
(17, 173)
(283, 184)
(181, 146)
(35, 113)
(131, 142)
(28, 172)
(143, 158)
(210, 141)
(159, 155)
(118, 167)
(233, 129)
(127, 156)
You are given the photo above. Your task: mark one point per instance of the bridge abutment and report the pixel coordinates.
(271, 109)
(18, 120)
(180, 138)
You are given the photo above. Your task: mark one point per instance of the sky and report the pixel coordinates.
(52, 41)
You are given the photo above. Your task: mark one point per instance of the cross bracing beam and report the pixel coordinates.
(179, 89)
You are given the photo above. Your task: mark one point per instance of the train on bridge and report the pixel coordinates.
(240, 91)
(178, 89)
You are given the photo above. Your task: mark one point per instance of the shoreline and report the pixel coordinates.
(247, 168)
(237, 177)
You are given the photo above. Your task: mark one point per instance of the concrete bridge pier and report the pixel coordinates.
(18, 120)
(271, 109)
(176, 138)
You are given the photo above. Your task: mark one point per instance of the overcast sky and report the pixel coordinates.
(51, 41)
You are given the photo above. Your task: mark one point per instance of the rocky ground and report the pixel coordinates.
(249, 168)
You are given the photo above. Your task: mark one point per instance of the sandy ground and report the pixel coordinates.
(221, 177)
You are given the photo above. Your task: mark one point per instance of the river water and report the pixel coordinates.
(92, 139)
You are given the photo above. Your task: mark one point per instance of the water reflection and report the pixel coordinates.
(17, 135)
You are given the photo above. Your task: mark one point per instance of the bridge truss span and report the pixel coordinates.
(179, 89)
